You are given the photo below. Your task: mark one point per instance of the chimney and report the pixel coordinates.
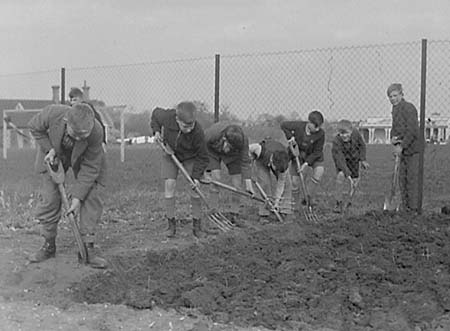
(86, 88)
(55, 97)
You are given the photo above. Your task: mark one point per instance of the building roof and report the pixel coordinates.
(26, 104)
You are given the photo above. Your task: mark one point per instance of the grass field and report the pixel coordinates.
(135, 182)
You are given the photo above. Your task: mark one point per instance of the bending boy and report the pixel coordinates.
(349, 153)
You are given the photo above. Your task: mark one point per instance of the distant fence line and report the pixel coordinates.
(343, 82)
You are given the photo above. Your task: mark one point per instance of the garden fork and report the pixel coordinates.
(56, 172)
(268, 201)
(308, 211)
(213, 215)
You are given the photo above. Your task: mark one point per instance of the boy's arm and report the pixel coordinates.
(246, 162)
(362, 147)
(156, 120)
(254, 151)
(411, 125)
(339, 158)
(317, 151)
(281, 182)
(39, 126)
(90, 167)
(202, 157)
(289, 128)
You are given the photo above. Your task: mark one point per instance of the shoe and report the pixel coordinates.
(47, 251)
(338, 208)
(172, 230)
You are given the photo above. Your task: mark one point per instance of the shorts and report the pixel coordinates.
(353, 166)
(169, 169)
(232, 162)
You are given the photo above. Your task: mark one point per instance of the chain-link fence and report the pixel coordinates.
(261, 90)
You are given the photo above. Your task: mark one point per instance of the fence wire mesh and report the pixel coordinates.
(262, 90)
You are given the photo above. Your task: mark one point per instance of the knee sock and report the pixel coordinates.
(169, 204)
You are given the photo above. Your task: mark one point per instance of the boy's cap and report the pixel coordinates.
(344, 126)
(80, 118)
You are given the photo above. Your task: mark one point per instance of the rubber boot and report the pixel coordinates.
(172, 230)
(47, 251)
(197, 228)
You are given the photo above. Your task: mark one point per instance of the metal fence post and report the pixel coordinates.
(63, 86)
(217, 88)
(423, 81)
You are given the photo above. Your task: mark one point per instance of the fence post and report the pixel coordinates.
(63, 86)
(423, 82)
(122, 135)
(5, 136)
(217, 88)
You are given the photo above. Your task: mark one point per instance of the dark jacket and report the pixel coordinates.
(268, 147)
(353, 150)
(186, 146)
(87, 159)
(214, 135)
(310, 146)
(405, 126)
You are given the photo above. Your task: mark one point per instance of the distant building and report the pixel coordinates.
(377, 130)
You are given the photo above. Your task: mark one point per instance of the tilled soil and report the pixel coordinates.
(378, 271)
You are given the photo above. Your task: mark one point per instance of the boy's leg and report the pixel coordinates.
(412, 169)
(196, 207)
(214, 169)
(295, 184)
(90, 213)
(314, 182)
(169, 172)
(214, 192)
(403, 182)
(263, 178)
(340, 179)
(234, 169)
(48, 212)
(286, 200)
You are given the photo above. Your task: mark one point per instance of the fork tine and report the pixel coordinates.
(220, 224)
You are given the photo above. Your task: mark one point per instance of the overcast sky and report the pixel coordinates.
(41, 35)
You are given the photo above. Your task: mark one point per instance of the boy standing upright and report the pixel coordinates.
(349, 153)
(405, 141)
(310, 138)
(179, 129)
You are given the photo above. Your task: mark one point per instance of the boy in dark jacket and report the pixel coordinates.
(271, 157)
(310, 138)
(179, 129)
(73, 137)
(349, 153)
(227, 143)
(405, 141)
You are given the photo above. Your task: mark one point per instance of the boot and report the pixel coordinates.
(338, 207)
(94, 261)
(197, 228)
(46, 252)
(172, 228)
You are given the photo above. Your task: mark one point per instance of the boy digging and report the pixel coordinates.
(310, 138)
(271, 157)
(179, 129)
(349, 153)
